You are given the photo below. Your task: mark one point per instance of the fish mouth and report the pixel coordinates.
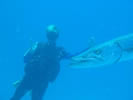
(83, 61)
(78, 62)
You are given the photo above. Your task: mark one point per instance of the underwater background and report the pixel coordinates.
(23, 22)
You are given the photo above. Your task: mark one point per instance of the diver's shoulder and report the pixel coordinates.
(39, 45)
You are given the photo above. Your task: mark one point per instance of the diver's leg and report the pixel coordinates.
(38, 91)
(22, 89)
(19, 93)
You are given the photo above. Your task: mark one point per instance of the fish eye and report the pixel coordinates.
(98, 52)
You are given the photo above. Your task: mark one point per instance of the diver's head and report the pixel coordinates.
(52, 33)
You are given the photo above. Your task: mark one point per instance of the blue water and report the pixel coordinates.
(22, 22)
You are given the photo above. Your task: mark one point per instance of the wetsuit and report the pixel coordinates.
(42, 65)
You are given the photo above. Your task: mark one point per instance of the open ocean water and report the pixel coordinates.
(23, 22)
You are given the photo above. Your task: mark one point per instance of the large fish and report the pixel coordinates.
(113, 51)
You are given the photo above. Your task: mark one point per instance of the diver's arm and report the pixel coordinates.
(64, 54)
(30, 52)
(32, 57)
(68, 56)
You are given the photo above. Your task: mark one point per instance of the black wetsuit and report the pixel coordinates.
(41, 67)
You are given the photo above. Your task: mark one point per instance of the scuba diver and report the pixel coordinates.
(42, 66)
